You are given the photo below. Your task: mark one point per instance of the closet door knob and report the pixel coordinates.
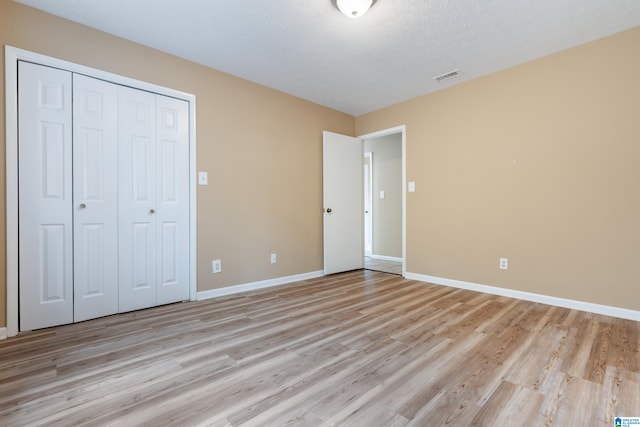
(152, 211)
(82, 206)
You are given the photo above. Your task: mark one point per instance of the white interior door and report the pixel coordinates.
(137, 198)
(342, 181)
(45, 197)
(95, 193)
(172, 214)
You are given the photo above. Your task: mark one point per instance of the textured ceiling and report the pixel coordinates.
(308, 49)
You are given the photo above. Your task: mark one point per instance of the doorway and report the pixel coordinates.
(384, 200)
(343, 186)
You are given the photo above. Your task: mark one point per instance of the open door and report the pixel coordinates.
(342, 182)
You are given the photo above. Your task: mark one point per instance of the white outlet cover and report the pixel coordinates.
(504, 264)
(382, 194)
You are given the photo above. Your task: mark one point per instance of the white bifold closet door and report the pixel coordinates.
(103, 201)
(45, 196)
(95, 196)
(68, 197)
(153, 199)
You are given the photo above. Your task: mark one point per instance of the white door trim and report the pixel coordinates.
(12, 56)
(402, 130)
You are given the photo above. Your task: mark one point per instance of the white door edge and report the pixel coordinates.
(12, 56)
(402, 129)
(368, 195)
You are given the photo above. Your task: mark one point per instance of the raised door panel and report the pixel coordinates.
(45, 197)
(173, 199)
(95, 198)
(137, 198)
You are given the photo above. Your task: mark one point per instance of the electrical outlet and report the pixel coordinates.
(504, 264)
(216, 264)
(274, 258)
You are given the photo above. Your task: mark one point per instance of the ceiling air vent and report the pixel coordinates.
(447, 76)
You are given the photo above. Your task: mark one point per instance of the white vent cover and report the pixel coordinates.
(446, 76)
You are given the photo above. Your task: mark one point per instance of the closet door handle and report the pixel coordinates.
(152, 211)
(82, 206)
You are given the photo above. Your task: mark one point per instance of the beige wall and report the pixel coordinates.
(262, 149)
(387, 177)
(539, 163)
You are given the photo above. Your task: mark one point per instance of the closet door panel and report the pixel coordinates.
(137, 198)
(95, 198)
(45, 196)
(173, 199)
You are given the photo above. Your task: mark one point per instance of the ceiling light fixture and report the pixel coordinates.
(354, 8)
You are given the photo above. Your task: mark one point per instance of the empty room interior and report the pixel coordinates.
(196, 196)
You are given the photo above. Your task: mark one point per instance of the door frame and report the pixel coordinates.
(402, 129)
(12, 56)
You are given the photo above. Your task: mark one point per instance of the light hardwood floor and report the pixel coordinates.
(357, 349)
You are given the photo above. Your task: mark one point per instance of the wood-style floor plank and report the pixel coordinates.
(361, 348)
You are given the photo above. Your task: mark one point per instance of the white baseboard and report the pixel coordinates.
(3, 333)
(606, 310)
(213, 293)
(387, 258)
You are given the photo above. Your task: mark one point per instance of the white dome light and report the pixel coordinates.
(354, 8)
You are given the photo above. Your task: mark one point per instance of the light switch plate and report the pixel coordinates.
(203, 178)
(382, 194)
(412, 186)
